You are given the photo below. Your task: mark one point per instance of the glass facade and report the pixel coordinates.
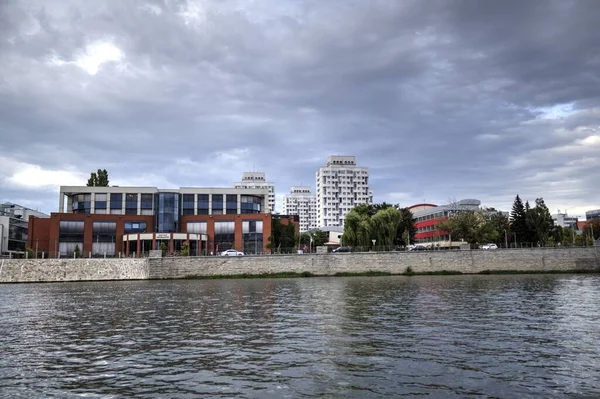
(135, 227)
(252, 236)
(100, 203)
(131, 203)
(82, 203)
(17, 235)
(196, 227)
(146, 204)
(251, 204)
(224, 235)
(203, 202)
(104, 236)
(166, 206)
(116, 203)
(217, 204)
(70, 236)
(231, 204)
(188, 204)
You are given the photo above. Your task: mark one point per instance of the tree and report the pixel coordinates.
(77, 251)
(185, 249)
(163, 248)
(384, 226)
(282, 236)
(518, 221)
(592, 229)
(500, 224)
(474, 227)
(540, 222)
(98, 179)
(406, 230)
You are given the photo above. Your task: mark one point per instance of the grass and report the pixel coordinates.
(362, 274)
(540, 271)
(246, 275)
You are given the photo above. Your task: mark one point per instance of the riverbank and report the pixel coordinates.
(538, 260)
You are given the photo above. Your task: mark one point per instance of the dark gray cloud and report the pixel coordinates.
(440, 98)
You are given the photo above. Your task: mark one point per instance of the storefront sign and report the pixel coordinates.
(163, 236)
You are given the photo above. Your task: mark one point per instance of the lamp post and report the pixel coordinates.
(505, 239)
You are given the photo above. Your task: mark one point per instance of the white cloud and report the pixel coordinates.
(30, 176)
(97, 54)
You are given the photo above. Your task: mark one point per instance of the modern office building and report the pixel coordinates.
(341, 185)
(129, 221)
(564, 220)
(303, 203)
(14, 227)
(593, 214)
(429, 216)
(258, 180)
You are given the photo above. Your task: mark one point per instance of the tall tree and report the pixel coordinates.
(540, 222)
(98, 179)
(518, 221)
(385, 226)
(474, 227)
(500, 224)
(406, 230)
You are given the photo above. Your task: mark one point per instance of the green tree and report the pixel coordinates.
(406, 230)
(98, 179)
(384, 226)
(185, 249)
(282, 236)
(592, 229)
(163, 248)
(540, 222)
(77, 251)
(500, 224)
(518, 221)
(474, 227)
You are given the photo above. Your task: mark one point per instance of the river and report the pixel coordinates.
(424, 336)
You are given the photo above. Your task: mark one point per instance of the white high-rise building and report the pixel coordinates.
(258, 180)
(303, 203)
(341, 185)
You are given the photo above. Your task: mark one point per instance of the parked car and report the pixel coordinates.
(342, 249)
(232, 252)
(489, 246)
(418, 248)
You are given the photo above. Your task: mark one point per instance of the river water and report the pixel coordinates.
(438, 336)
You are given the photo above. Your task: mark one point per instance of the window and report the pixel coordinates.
(203, 204)
(135, 227)
(116, 202)
(70, 236)
(217, 204)
(131, 203)
(99, 202)
(82, 203)
(103, 238)
(188, 204)
(224, 235)
(196, 227)
(251, 204)
(231, 203)
(167, 212)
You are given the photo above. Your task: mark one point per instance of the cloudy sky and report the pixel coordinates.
(440, 99)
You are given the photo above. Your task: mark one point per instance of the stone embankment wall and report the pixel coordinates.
(534, 260)
(47, 270)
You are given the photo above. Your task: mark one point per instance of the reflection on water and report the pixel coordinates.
(444, 336)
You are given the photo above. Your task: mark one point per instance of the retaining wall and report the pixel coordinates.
(534, 260)
(46, 270)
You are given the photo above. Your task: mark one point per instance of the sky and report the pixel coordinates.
(440, 99)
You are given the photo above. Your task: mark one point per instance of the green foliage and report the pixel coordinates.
(185, 249)
(518, 221)
(474, 227)
(319, 238)
(77, 251)
(388, 224)
(98, 179)
(282, 236)
(29, 253)
(540, 222)
(163, 248)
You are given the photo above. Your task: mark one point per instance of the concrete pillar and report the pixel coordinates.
(139, 204)
(195, 204)
(239, 204)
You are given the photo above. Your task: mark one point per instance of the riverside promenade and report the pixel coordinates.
(537, 260)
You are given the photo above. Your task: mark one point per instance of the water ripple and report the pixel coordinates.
(443, 337)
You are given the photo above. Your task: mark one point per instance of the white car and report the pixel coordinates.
(232, 252)
(489, 246)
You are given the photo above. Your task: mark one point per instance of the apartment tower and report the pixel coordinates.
(303, 203)
(341, 185)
